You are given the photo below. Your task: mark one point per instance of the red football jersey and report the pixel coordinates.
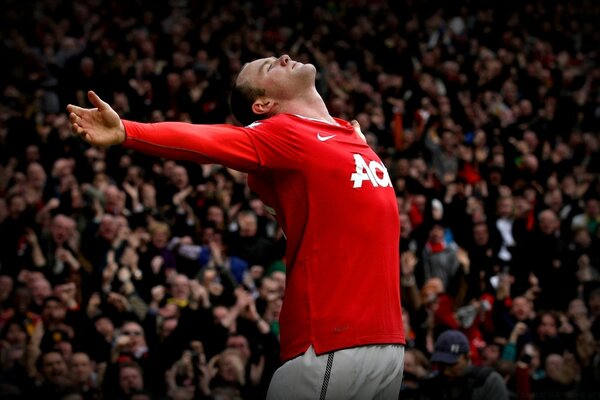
(336, 205)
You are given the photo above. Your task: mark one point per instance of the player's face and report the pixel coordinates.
(281, 78)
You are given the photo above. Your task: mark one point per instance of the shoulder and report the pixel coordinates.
(276, 128)
(494, 378)
(488, 383)
(479, 374)
(279, 121)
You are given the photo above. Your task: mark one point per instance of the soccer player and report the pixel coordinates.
(341, 322)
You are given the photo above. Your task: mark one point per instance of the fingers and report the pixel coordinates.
(94, 99)
(97, 101)
(76, 109)
(75, 118)
(78, 130)
(76, 122)
(356, 126)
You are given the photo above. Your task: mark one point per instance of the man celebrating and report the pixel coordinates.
(332, 195)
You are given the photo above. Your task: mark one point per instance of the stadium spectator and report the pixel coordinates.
(456, 377)
(54, 380)
(84, 376)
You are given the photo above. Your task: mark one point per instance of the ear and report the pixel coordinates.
(263, 105)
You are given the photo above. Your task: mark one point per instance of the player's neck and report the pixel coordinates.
(310, 107)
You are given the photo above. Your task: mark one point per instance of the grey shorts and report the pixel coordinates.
(366, 372)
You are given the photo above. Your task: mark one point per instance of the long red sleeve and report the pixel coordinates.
(221, 144)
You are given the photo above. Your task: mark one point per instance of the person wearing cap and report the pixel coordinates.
(455, 377)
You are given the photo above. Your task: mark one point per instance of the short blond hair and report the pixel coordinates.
(159, 227)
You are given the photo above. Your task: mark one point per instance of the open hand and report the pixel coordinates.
(99, 126)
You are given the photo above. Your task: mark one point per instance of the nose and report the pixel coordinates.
(284, 60)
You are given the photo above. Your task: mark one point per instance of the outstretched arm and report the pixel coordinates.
(222, 144)
(99, 126)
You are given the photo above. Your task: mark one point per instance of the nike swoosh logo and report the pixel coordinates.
(324, 138)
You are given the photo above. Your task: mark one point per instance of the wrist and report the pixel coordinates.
(122, 133)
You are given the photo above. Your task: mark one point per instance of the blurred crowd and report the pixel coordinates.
(124, 276)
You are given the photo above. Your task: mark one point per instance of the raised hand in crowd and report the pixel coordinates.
(67, 292)
(33, 350)
(134, 194)
(156, 264)
(519, 330)
(534, 288)
(139, 239)
(463, 258)
(180, 197)
(198, 295)
(124, 275)
(109, 272)
(182, 376)
(93, 305)
(410, 294)
(119, 301)
(158, 293)
(123, 234)
(130, 259)
(37, 254)
(240, 308)
(65, 256)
